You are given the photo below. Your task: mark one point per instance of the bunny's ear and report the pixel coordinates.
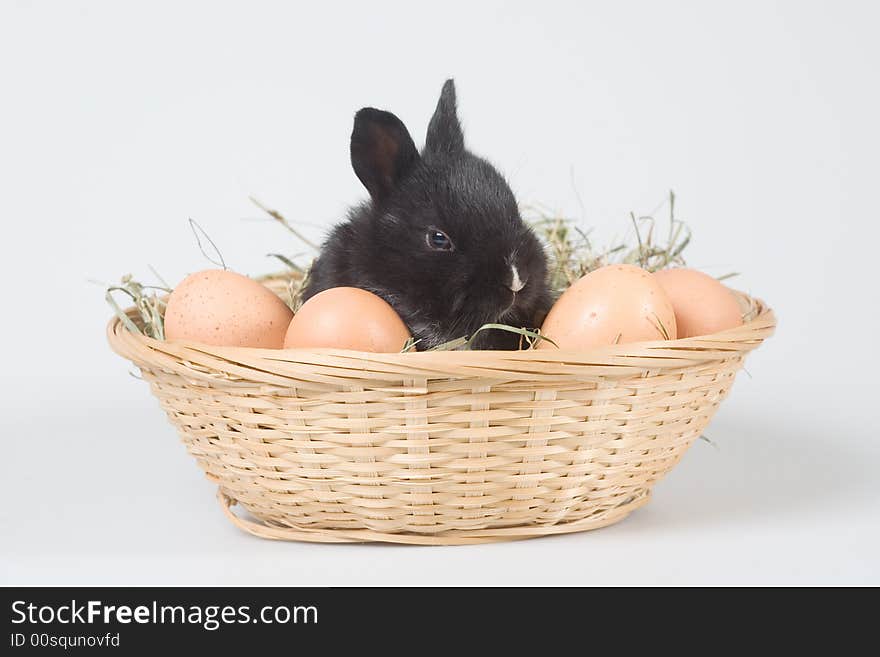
(444, 131)
(382, 152)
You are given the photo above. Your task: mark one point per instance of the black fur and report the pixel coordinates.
(440, 294)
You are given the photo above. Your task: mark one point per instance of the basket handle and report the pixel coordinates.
(469, 537)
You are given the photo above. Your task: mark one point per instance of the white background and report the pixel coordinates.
(118, 121)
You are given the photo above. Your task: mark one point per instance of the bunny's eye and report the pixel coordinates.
(438, 240)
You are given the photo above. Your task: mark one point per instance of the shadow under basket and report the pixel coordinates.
(439, 448)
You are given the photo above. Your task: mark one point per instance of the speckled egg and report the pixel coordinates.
(347, 318)
(611, 305)
(702, 304)
(226, 309)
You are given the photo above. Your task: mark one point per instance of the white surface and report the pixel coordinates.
(119, 122)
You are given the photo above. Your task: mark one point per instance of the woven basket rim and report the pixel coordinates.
(198, 360)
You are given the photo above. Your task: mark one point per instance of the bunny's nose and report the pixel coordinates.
(516, 283)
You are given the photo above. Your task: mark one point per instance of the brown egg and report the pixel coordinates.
(347, 318)
(612, 305)
(702, 305)
(226, 309)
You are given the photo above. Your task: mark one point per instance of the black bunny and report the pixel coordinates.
(441, 238)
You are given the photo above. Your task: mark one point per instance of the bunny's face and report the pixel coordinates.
(454, 228)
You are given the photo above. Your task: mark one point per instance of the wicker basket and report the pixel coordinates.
(439, 447)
